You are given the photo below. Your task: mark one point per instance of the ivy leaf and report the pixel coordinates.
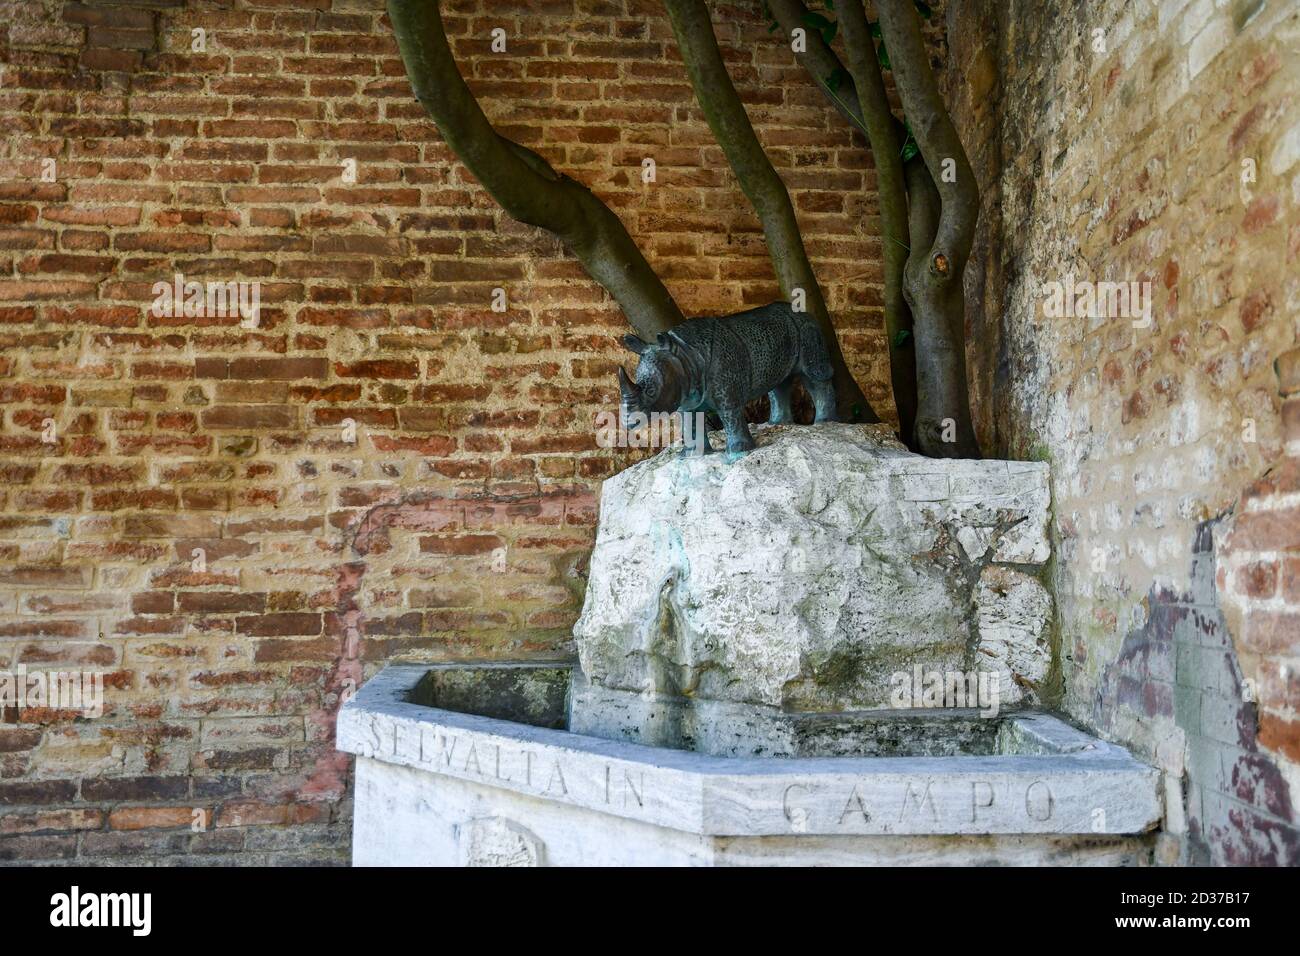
(923, 9)
(883, 56)
(773, 27)
(827, 28)
(910, 148)
(901, 337)
(874, 27)
(836, 79)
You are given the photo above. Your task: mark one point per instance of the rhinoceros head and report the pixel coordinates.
(660, 378)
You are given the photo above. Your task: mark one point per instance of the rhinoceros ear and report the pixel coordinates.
(635, 344)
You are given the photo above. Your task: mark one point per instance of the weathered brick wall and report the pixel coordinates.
(197, 523)
(1117, 152)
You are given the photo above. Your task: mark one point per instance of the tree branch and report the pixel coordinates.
(935, 134)
(935, 268)
(819, 60)
(891, 190)
(759, 180)
(522, 181)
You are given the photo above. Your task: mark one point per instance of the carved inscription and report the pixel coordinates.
(523, 767)
(807, 806)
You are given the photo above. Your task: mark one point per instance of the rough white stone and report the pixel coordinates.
(1287, 152)
(1014, 620)
(975, 541)
(805, 574)
(1209, 43)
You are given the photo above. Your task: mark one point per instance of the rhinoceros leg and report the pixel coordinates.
(779, 399)
(823, 396)
(739, 440)
(695, 434)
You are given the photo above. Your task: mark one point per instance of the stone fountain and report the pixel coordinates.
(829, 651)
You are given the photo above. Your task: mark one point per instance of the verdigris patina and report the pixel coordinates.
(719, 364)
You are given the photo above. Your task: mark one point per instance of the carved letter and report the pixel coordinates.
(975, 804)
(855, 798)
(1043, 811)
(919, 800)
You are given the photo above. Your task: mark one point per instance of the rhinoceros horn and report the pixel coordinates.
(631, 397)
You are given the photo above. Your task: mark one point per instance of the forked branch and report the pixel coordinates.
(935, 134)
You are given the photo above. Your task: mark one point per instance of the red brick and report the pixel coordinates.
(1287, 366)
(249, 416)
(150, 818)
(18, 290)
(267, 625)
(36, 792)
(378, 368)
(1261, 214)
(1257, 579)
(1291, 581)
(1280, 734)
(51, 820)
(218, 602)
(461, 544)
(1277, 530)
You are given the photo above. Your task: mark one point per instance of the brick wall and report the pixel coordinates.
(1116, 151)
(183, 507)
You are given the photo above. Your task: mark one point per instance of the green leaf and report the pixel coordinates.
(923, 9)
(910, 148)
(874, 27)
(837, 79)
(901, 337)
(883, 56)
(827, 28)
(773, 27)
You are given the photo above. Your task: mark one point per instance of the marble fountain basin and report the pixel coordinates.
(474, 764)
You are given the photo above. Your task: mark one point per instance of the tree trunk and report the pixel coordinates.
(759, 180)
(523, 182)
(887, 151)
(933, 277)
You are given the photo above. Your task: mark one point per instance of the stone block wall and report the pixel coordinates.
(1153, 142)
(184, 505)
